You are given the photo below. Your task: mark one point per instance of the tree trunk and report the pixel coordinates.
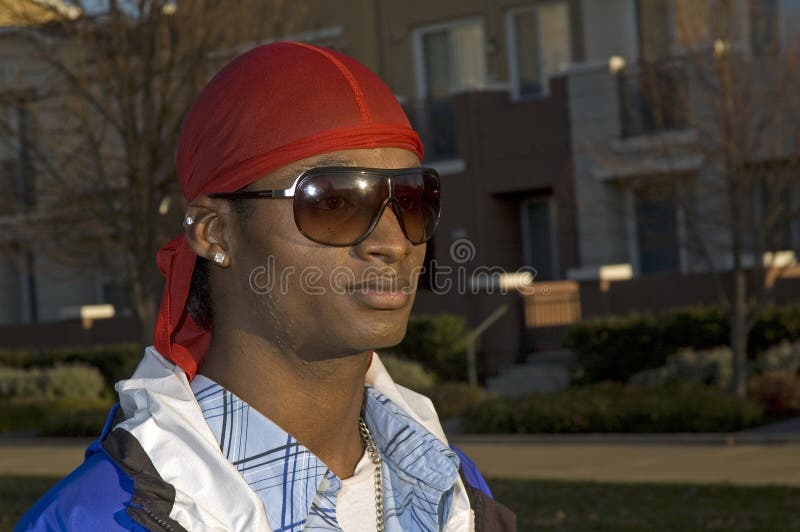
(145, 304)
(739, 332)
(147, 319)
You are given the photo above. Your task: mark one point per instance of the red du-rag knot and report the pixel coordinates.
(269, 107)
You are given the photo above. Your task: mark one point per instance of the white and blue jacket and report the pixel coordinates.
(159, 466)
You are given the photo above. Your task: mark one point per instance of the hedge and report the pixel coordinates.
(711, 367)
(62, 400)
(452, 399)
(783, 357)
(437, 342)
(115, 362)
(408, 373)
(714, 367)
(65, 417)
(614, 407)
(62, 381)
(778, 392)
(616, 347)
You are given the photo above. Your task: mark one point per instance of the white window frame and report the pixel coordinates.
(421, 82)
(511, 45)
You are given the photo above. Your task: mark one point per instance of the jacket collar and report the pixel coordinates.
(162, 414)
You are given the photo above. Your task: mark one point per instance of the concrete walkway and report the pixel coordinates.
(41, 456)
(605, 458)
(748, 464)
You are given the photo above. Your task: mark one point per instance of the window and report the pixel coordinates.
(449, 58)
(667, 28)
(764, 29)
(17, 170)
(653, 98)
(538, 45)
(776, 198)
(692, 22)
(655, 36)
(538, 238)
(657, 227)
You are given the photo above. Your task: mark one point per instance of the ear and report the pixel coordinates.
(204, 227)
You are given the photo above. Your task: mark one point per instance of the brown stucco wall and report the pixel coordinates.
(512, 151)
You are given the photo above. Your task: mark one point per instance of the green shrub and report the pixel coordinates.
(408, 373)
(22, 416)
(612, 407)
(115, 362)
(774, 325)
(616, 347)
(779, 393)
(75, 380)
(62, 417)
(451, 399)
(20, 383)
(784, 357)
(74, 419)
(437, 341)
(712, 367)
(62, 381)
(492, 416)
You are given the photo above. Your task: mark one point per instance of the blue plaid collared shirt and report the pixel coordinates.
(299, 491)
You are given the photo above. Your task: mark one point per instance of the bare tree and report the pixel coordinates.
(96, 116)
(721, 120)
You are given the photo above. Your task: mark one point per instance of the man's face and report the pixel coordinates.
(317, 300)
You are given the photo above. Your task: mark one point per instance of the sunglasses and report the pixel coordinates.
(340, 206)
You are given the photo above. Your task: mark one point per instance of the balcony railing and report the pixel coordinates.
(434, 120)
(653, 97)
(553, 303)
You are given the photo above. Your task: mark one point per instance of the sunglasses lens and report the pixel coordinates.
(417, 195)
(338, 208)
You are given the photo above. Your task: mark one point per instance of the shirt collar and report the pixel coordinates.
(295, 486)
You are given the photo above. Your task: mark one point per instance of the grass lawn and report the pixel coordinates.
(575, 505)
(560, 505)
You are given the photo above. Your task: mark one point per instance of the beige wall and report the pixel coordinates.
(609, 29)
(594, 122)
(400, 19)
(380, 33)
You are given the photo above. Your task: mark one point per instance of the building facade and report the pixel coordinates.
(556, 161)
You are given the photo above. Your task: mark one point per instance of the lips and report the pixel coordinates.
(383, 294)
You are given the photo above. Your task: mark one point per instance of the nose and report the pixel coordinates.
(387, 242)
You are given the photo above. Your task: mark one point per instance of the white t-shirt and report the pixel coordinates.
(355, 504)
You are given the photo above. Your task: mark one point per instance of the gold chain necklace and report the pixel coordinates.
(375, 456)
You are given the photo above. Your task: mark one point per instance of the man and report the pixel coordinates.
(262, 405)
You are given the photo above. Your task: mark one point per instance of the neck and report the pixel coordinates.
(317, 402)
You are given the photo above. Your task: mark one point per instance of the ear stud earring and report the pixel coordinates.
(219, 257)
(189, 220)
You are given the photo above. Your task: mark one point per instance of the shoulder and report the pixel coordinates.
(93, 497)
(490, 515)
(470, 472)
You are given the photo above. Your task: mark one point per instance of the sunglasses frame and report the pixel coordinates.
(311, 172)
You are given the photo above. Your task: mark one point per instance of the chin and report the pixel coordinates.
(383, 333)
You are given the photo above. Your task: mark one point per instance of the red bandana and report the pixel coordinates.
(269, 107)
